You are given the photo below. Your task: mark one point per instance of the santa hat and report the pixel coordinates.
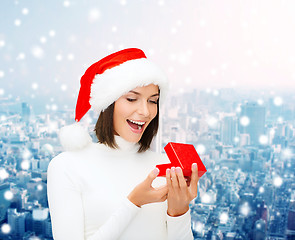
(104, 82)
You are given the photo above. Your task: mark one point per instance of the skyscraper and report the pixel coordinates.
(26, 112)
(228, 130)
(254, 124)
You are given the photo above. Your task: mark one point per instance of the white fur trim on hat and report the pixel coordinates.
(117, 81)
(74, 137)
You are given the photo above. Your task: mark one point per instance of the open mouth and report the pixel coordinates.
(136, 125)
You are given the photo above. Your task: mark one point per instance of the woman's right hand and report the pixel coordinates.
(144, 193)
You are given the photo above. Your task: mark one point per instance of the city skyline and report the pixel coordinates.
(247, 192)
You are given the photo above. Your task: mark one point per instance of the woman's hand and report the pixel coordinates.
(180, 194)
(144, 193)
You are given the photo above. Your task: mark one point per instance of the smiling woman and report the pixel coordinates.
(110, 189)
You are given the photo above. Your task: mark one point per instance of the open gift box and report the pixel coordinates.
(183, 156)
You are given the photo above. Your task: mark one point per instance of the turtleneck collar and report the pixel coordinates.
(125, 145)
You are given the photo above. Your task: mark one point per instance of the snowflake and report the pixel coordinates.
(3, 174)
(278, 101)
(201, 149)
(64, 87)
(263, 139)
(71, 57)
(58, 57)
(51, 33)
(21, 56)
(25, 11)
(93, 15)
(223, 218)
(244, 121)
(53, 107)
(8, 195)
(43, 39)
(5, 228)
(199, 227)
(260, 102)
(123, 2)
(25, 165)
(35, 86)
(2, 43)
(17, 22)
(245, 209)
(277, 181)
(206, 198)
(261, 190)
(67, 3)
(37, 52)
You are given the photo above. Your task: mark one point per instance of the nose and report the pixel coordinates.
(143, 109)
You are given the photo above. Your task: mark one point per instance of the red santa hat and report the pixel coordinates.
(104, 82)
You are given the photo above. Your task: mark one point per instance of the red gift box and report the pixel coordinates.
(182, 155)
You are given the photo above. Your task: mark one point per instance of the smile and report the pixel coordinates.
(136, 126)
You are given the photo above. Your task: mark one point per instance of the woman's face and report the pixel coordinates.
(134, 111)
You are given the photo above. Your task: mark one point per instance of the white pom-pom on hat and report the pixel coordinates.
(74, 137)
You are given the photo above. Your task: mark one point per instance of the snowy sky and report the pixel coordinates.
(46, 46)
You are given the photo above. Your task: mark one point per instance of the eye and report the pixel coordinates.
(153, 101)
(131, 99)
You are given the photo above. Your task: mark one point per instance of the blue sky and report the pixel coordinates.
(46, 46)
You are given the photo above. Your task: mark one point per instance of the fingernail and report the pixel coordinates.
(173, 169)
(194, 166)
(167, 171)
(178, 170)
(156, 171)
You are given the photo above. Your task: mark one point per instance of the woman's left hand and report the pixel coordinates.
(180, 194)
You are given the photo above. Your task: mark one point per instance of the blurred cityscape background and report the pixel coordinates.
(231, 65)
(246, 141)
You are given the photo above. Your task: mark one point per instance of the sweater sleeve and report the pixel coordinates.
(179, 228)
(66, 207)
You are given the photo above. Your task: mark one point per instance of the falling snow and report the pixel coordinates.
(278, 101)
(5, 228)
(94, 15)
(25, 11)
(8, 195)
(38, 52)
(277, 181)
(244, 121)
(201, 149)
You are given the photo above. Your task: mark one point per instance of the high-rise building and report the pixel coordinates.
(4, 202)
(228, 130)
(16, 221)
(291, 221)
(26, 112)
(252, 121)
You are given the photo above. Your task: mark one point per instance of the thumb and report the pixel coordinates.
(152, 175)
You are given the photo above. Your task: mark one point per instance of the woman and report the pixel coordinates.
(110, 189)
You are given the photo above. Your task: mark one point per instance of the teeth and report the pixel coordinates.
(138, 123)
(139, 127)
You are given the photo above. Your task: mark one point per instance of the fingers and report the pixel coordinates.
(168, 179)
(181, 179)
(194, 179)
(152, 175)
(175, 178)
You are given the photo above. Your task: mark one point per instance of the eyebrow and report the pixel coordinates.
(137, 93)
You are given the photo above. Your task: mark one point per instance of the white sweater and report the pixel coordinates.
(87, 195)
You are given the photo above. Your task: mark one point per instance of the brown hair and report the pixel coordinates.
(104, 129)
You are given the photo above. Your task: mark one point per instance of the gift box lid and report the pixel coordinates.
(182, 155)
